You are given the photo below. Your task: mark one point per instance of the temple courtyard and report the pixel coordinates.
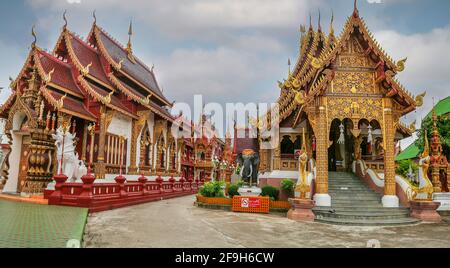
(178, 223)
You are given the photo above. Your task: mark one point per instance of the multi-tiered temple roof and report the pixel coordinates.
(80, 73)
(315, 69)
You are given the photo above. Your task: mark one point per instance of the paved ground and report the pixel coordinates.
(24, 225)
(177, 223)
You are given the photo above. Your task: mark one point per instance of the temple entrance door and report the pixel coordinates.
(23, 164)
(340, 150)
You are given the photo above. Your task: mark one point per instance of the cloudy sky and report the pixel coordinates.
(233, 50)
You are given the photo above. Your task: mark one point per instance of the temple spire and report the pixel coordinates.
(33, 33)
(65, 20)
(289, 66)
(130, 33)
(331, 23)
(310, 22)
(355, 9)
(319, 27)
(95, 17)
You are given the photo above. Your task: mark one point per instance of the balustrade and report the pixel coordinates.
(104, 196)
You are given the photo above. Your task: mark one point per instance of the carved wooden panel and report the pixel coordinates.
(355, 107)
(354, 83)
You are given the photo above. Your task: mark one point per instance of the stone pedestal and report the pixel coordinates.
(443, 199)
(301, 210)
(425, 211)
(249, 191)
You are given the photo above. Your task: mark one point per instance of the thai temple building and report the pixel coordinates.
(343, 93)
(99, 91)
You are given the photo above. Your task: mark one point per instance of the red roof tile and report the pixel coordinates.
(62, 76)
(137, 71)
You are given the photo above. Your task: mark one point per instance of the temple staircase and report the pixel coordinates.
(354, 203)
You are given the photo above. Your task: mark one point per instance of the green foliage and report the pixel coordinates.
(233, 190)
(238, 170)
(443, 125)
(403, 168)
(240, 183)
(271, 192)
(287, 185)
(213, 189)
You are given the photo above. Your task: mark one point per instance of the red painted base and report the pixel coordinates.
(425, 211)
(301, 210)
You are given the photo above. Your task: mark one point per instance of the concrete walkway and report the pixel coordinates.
(177, 223)
(25, 225)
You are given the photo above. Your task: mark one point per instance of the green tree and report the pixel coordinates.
(443, 125)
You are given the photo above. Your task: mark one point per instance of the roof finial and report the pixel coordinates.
(130, 33)
(331, 24)
(310, 21)
(320, 27)
(289, 64)
(355, 9)
(95, 17)
(65, 19)
(33, 33)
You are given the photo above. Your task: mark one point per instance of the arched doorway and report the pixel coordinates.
(341, 141)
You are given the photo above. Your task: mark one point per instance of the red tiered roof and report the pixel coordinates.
(137, 70)
(62, 74)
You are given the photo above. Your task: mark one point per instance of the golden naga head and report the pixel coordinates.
(412, 126)
(315, 62)
(107, 99)
(401, 65)
(419, 99)
(48, 79)
(119, 65)
(300, 97)
(60, 102)
(85, 70)
(146, 101)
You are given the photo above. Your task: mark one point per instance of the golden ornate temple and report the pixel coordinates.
(343, 92)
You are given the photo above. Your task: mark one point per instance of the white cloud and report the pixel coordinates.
(12, 63)
(428, 65)
(183, 18)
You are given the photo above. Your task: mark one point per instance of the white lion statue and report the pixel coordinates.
(73, 167)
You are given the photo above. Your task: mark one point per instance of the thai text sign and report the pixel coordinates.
(254, 204)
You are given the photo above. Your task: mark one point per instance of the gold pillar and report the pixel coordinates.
(322, 152)
(84, 144)
(389, 150)
(100, 167)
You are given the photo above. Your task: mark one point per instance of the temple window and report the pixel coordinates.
(114, 150)
(287, 146)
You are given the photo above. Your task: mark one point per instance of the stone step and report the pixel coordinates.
(343, 203)
(355, 198)
(363, 209)
(356, 204)
(363, 215)
(362, 222)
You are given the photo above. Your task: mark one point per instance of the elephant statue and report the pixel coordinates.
(249, 160)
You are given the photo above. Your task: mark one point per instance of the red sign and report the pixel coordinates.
(256, 204)
(250, 202)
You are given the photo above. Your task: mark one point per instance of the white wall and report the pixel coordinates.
(121, 125)
(14, 157)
